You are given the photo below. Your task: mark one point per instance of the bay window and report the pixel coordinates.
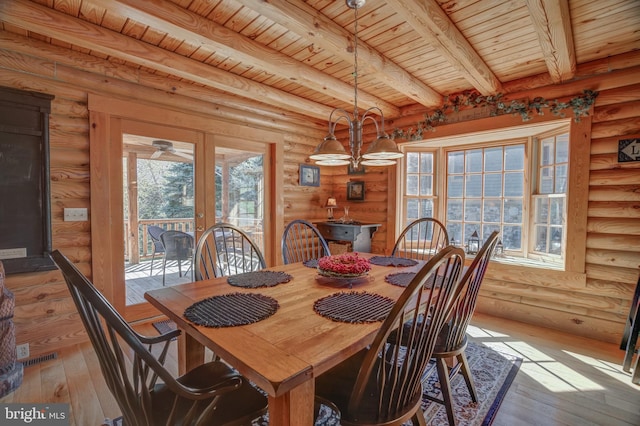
(517, 186)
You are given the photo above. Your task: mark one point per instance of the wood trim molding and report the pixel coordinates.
(578, 195)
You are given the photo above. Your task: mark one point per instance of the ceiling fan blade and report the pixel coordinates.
(156, 154)
(183, 154)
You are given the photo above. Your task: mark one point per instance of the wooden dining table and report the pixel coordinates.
(283, 353)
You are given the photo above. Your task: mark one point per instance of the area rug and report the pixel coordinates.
(493, 373)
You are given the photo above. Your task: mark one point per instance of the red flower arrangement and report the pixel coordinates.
(345, 265)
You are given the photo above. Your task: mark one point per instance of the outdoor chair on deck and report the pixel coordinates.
(210, 394)
(178, 246)
(421, 239)
(224, 249)
(452, 340)
(154, 233)
(382, 385)
(302, 241)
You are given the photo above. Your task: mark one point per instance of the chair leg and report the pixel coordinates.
(153, 257)
(418, 418)
(164, 267)
(445, 388)
(468, 378)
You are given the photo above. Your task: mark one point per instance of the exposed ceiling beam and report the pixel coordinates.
(181, 23)
(553, 25)
(428, 19)
(123, 79)
(50, 23)
(304, 20)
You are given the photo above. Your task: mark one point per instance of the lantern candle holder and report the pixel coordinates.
(473, 243)
(499, 251)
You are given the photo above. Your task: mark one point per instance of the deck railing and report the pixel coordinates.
(185, 225)
(145, 244)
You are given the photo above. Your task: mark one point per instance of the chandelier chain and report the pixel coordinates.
(331, 152)
(355, 65)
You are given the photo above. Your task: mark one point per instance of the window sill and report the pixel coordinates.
(535, 273)
(529, 263)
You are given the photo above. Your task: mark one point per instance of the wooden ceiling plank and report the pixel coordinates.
(433, 24)
(307, 22)
(111, 70)
(181, 23)
(71, 30)
(552, 23)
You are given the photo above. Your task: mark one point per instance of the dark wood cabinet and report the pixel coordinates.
(358, 234)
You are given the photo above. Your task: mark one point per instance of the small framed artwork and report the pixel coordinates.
(355, 191)
(309, 175)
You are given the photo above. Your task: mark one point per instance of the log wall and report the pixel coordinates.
(46, 317)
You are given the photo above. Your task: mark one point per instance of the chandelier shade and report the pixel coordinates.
(330, 149)
(331, 152)
(383, 148)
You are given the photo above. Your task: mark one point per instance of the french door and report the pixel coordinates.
(200, 151)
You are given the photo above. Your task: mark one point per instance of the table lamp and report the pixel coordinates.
(332, 203)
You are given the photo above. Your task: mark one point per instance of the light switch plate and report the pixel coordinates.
(75, 214)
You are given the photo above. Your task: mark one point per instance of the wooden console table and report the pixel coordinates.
(358, 234)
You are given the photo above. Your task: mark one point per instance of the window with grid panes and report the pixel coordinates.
(485, 189)
(549, 199)
(419, 199)
(485, 192)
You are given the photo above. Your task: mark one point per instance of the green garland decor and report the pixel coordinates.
(525, 108)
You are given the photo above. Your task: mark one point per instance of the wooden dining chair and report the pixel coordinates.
(452, 341)
(301, 241)
(421, 239)
(133, 369)
(382, 385)
(224, 249)
(178, 246)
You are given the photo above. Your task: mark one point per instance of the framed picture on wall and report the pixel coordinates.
(355, 191)
(309, 175)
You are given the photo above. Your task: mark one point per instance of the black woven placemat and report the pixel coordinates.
(311, 263)
(392, 261)
(401, 279)
(354, 307)
(231, 309)
(257, 279)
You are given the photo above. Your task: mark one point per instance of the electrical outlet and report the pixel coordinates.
(22, 351)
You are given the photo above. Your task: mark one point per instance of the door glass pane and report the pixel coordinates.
(240, 191)
(158, 188)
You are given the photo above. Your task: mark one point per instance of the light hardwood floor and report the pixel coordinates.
(564, 380)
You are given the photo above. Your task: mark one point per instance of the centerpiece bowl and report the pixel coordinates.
(347, 266)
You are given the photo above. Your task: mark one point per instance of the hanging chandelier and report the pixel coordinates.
(331, 152)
